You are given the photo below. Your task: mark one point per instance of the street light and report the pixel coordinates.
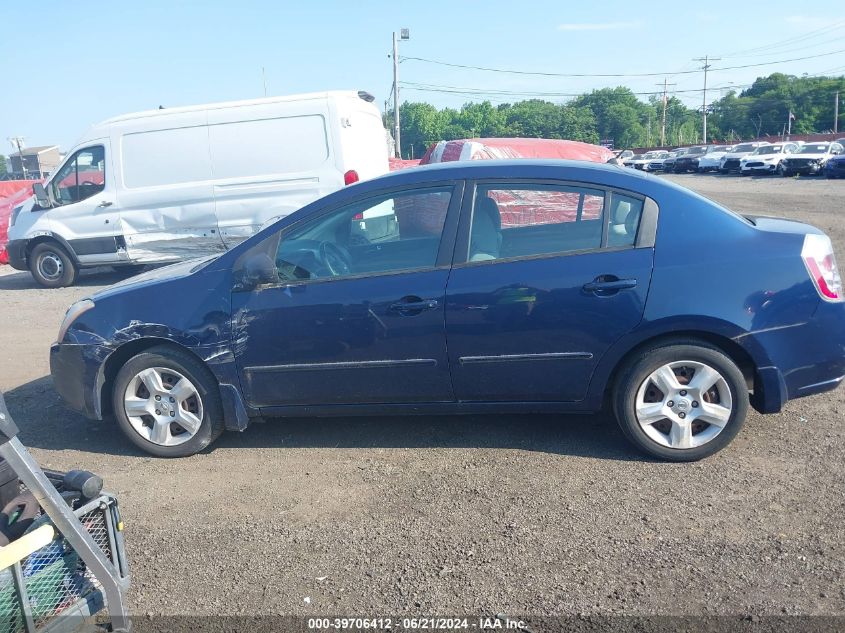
(404, 36)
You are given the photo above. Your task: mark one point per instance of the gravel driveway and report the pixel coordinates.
(536, 515)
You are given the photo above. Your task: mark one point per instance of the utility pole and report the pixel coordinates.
(396, 133)
(836, 114)
(404, 36)
(706, 59)
(665, 101)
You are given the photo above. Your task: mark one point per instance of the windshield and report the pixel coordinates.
(650, 155)
(815, 148)
(768, 149)
(745, 147)
(697, 150)
(717, 148)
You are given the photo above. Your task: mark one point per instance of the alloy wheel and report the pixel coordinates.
(163, 406)
(683, 404)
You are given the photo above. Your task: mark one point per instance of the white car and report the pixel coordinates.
(711, 161)
(766, 159)
(810, 158)
(730, 161)
(642, 160)
(655, 162)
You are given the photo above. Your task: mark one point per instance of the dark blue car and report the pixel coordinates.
(835, 167)
(491, 286)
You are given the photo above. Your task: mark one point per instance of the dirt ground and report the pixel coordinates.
(477, 515)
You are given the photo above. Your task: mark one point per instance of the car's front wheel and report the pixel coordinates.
(682, 401)
(167, 402)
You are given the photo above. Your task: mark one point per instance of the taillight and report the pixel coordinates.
(357, 217)
(350, 177)
(821, 265)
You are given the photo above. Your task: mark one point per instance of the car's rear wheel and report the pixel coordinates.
(167, 403)
(51, 265)
(681, 401)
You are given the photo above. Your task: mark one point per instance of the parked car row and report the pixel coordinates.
(789, 158)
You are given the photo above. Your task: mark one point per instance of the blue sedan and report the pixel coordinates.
(483, 287)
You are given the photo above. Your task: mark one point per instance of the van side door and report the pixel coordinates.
(165, 194)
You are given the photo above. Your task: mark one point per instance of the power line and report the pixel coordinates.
(426, 87)
(588, 75)
(835, 40)
(790, 40)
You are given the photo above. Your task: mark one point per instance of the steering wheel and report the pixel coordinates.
(335, 259)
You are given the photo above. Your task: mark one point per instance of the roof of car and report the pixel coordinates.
(600, 174)
(517, 168)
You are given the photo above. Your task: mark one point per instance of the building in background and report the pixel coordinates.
(34, 162)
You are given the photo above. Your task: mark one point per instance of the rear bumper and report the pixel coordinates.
(76, 376)
(807, 359)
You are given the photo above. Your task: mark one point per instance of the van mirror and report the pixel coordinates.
(41, 197)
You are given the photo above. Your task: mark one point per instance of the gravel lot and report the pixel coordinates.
(478, 515)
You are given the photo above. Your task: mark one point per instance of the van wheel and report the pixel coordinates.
(167, 402)
(680, 401)
(51, 266)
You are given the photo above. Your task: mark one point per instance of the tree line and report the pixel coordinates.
(619, 115)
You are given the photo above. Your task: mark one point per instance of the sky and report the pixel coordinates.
(70, 64)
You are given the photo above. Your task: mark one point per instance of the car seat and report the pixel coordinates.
(486, 235)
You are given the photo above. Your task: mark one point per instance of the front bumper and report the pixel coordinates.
(686, 165)
(809, 170)
(760, 168)
(16, 250)
(731, 164)
(77, 378)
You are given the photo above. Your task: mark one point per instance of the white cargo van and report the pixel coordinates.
(169, 184)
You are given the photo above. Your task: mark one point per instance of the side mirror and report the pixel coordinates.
(41, 196)
(258, 270)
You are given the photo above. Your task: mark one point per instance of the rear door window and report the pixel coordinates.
(527, 220)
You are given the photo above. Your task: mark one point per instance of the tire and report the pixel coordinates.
(51, 266)
(635, 384)
(785, 173)
(152, 430)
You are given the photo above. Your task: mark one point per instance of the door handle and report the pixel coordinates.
(413, 305)
(104, 204)
(609, 284)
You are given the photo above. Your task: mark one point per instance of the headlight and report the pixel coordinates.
(73, 313)
(14, 215)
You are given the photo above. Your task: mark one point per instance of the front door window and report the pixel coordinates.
(83, 176)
